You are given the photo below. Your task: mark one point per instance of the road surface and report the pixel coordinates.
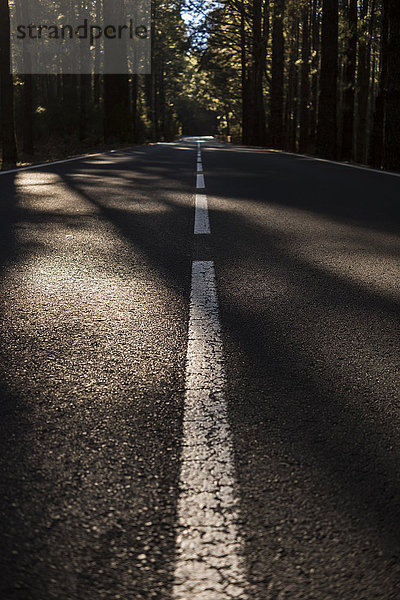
(199, 377)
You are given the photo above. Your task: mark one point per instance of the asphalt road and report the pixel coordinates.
(106, 335)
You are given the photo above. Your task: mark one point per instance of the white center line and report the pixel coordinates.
(200, 184)
(209, 548)
(201, 217)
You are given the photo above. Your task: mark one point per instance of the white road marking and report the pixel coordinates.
(323, 160)
(201, 217)
(200, 184)
(209, 547)
(200, 167)
(65, 160)
(341, 164)
(49, 164)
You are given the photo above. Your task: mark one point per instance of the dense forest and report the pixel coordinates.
(311, 76)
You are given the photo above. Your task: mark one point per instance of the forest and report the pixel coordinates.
(318, 77)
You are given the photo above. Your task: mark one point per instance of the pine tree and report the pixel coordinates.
(6, 91)
(392, 125)
(349, 81)
(275, 132)
(327, 113)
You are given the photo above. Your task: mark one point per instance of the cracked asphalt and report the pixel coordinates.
(95, 261)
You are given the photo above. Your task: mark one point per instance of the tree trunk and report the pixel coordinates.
(327, 111)
(364, 70)
(290, 112)
(9, 145)
(97, 62)
(277, 71)
(392, 126)
(305, 83)
(117, 116)
(27, 133)
(378, 127)
(258, 130)
(349, 82)
(27, 94)
(135, 93)
(117, 120)
(84, 81)
(246, 133)
(315, 74)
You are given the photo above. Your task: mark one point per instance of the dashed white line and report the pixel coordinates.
(200, 184)
(201, 217)
(209, 548)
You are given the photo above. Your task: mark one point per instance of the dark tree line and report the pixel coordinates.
(317, 76)
(47, 115)
(311, 76)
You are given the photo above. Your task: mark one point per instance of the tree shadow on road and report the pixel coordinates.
(319, 409)
(310, 379)
(358, 197)
(91, 441)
